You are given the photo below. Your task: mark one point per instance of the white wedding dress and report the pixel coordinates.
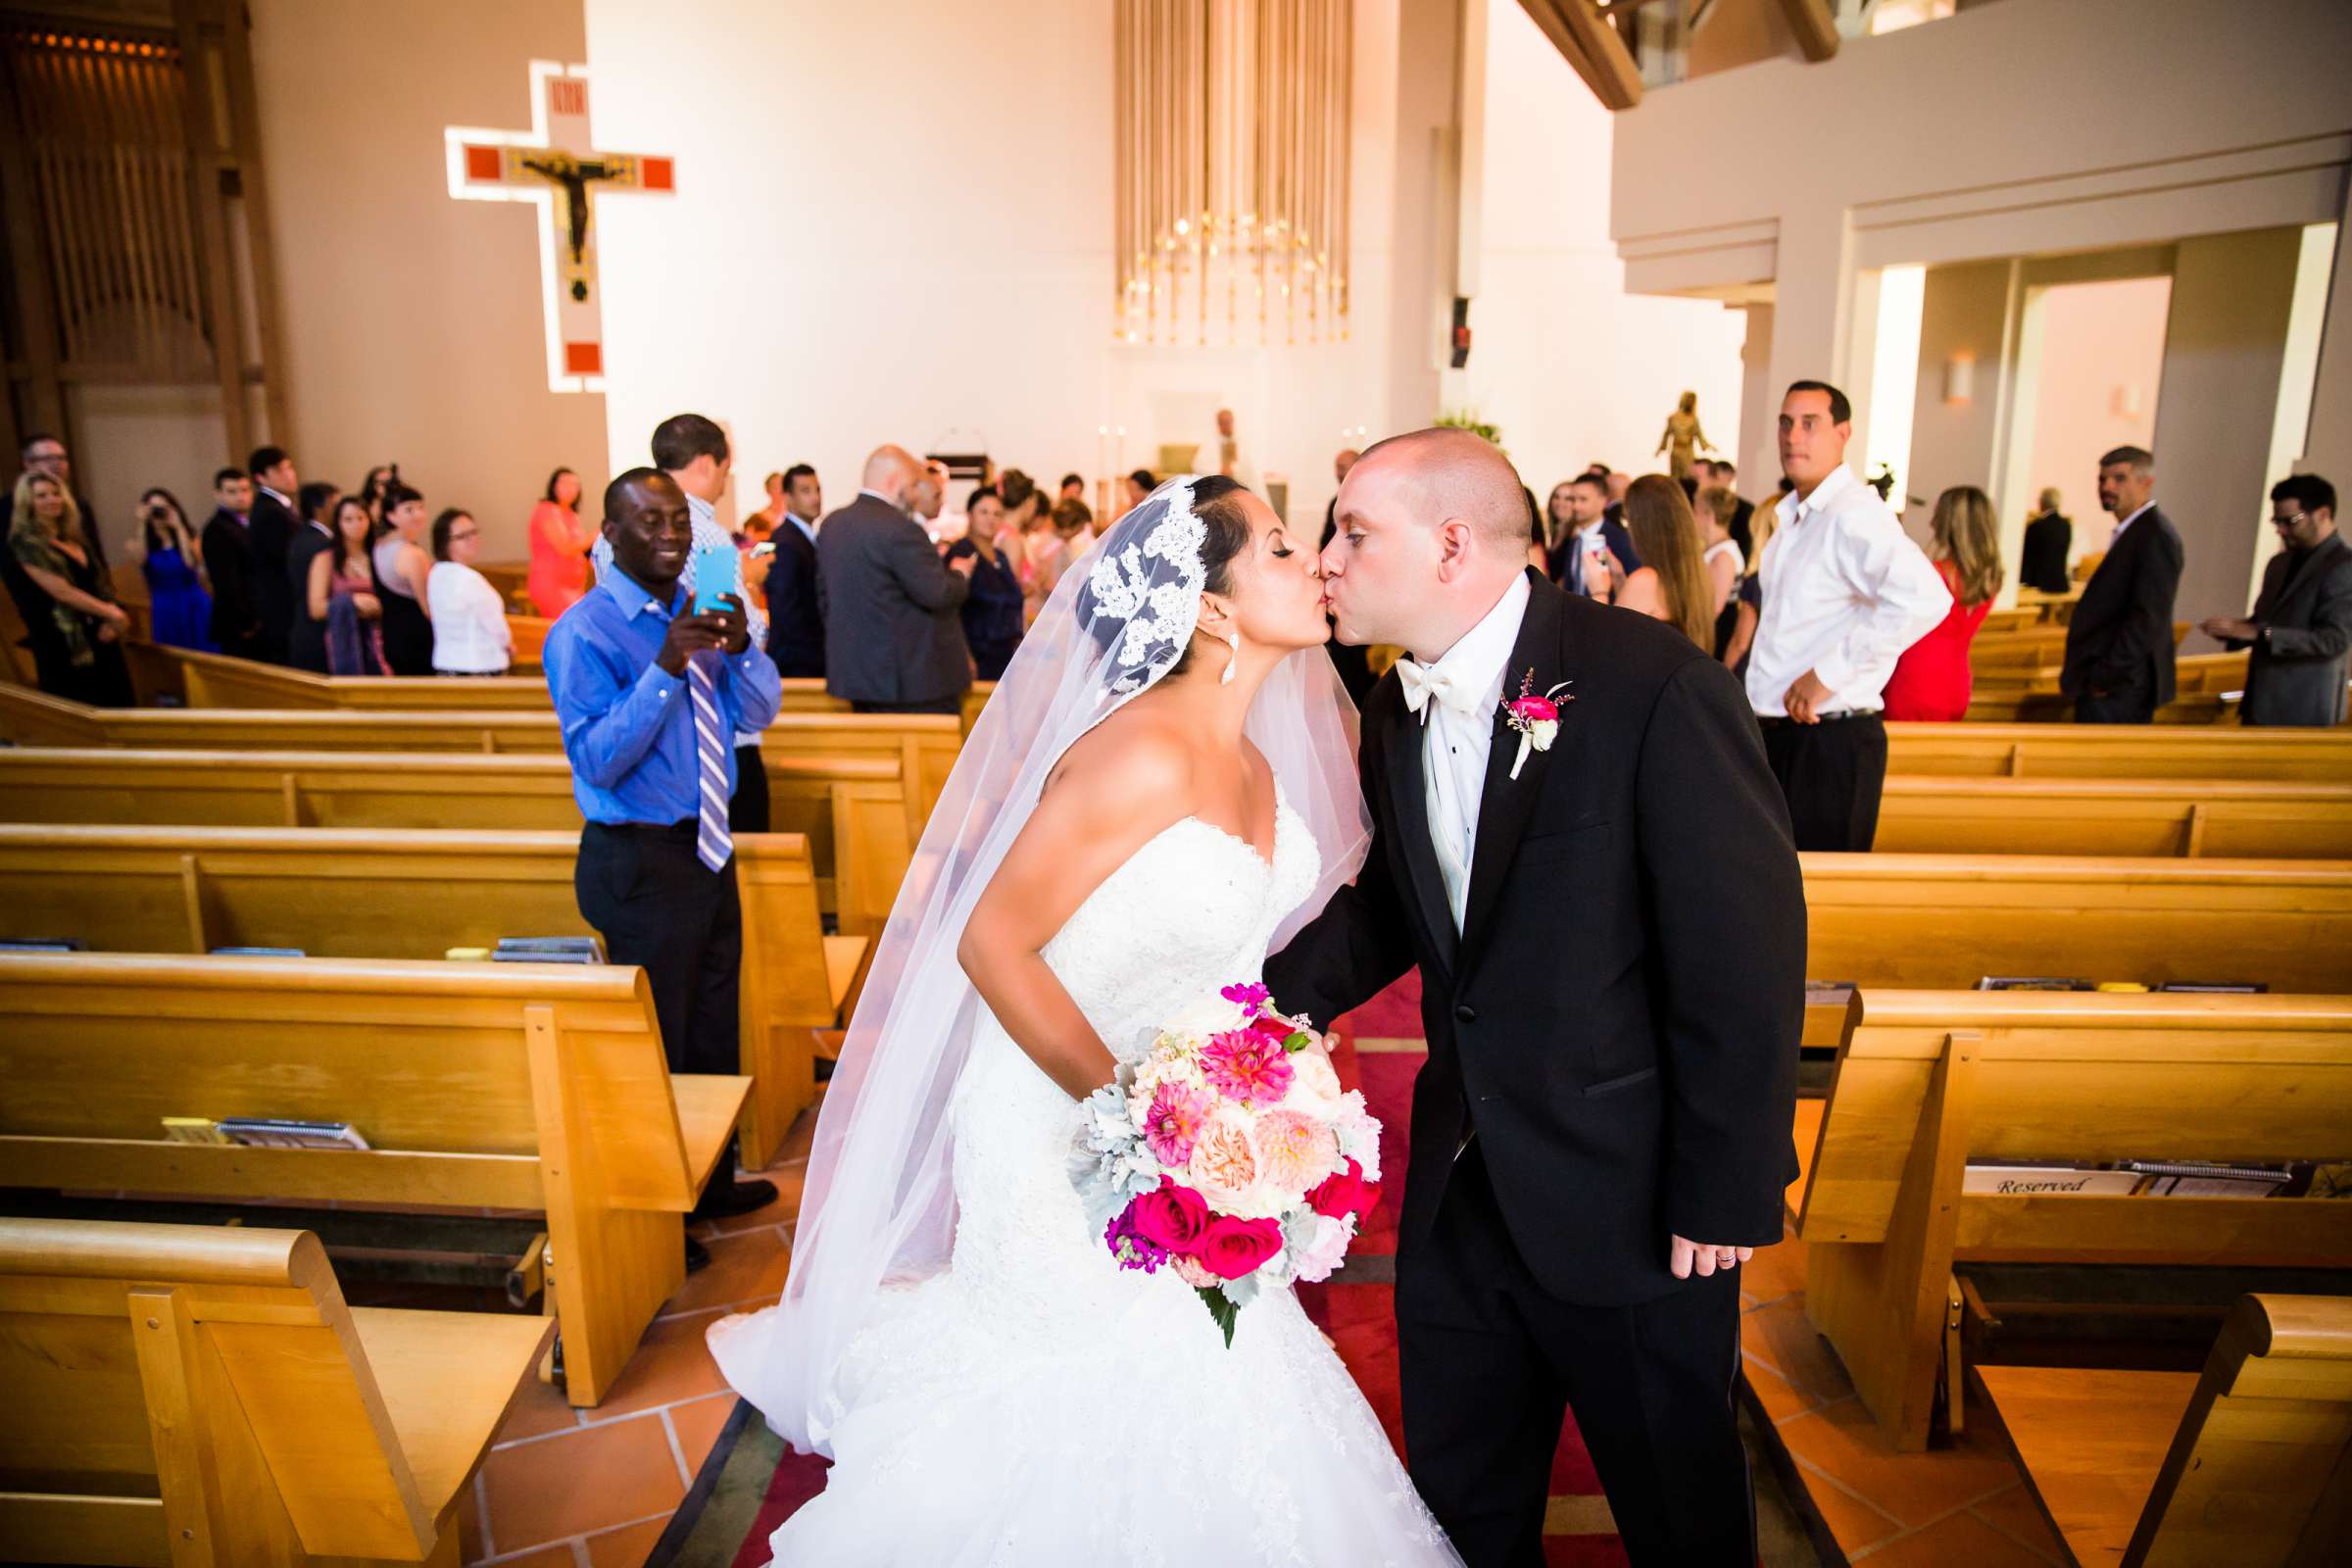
(1036, 1405)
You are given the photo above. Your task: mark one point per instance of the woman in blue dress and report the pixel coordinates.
(179, 604)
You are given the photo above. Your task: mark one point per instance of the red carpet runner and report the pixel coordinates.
(1360, 1318)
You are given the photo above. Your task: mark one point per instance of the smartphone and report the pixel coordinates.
(718, 572)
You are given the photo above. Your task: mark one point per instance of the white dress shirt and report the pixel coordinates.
(707, 535)
(1458, 730)
(2128, 522)
(471, 636)
(1846, 591)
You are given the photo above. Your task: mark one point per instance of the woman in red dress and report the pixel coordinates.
(1931, 680)
(560, 545)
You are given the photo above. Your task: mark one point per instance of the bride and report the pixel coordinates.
(1161, 789)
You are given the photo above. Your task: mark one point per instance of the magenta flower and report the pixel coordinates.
(1173, 1123)
(1250, 999)
(1130, 1246)
(1247, 1067)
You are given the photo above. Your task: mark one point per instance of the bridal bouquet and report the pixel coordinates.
(1230, 1153)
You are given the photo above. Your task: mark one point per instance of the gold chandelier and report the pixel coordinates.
(1232, 201)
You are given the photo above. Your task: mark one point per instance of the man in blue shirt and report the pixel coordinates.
(649, 698)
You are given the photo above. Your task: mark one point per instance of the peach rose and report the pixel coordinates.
(1226, 1167)
(1314, 1086)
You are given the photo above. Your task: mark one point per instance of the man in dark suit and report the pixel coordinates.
(2301, 628)
(1609, 923)
(270, 529)
(313, 535)
(894, 628)
(2119, 646)
(2049, 540)
(228, 564)
(1571, 564)
(795, 631)
(46, 454)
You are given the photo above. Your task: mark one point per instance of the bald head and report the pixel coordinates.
(1438, 474)
(889, 471)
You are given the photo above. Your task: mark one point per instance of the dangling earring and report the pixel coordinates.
(1234, 639)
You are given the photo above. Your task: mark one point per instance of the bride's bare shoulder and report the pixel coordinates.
(1134, 760)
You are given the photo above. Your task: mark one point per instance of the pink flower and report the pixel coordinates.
(1234, 1247)
(1323, 1252)
(1225, 1164)
(1174, 1122)
(1173, 1219)
(1246, 1066)
(1533, 708)
(1250, 999)
(1193, 1272)
(1296, 1150)
(1344, 1194)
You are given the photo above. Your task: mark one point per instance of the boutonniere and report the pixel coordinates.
(1535, 719)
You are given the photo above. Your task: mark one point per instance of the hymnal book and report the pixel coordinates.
(259, 953)
(548, 950)
(2216, 988)
(193, 1130)
(1996, 982)
(1828, 993)
(2188, 1178)
(270, 1132)
(44, 944)
(2023, 1180)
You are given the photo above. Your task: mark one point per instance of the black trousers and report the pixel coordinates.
(2135, 704)
(747, 813)
(658, 907)
(1490, 1362)
(931, 705)
(1831, 774)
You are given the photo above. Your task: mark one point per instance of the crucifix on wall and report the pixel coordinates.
(556, 166)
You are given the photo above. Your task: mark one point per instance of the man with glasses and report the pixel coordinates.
(44, 453)
(2301, 628)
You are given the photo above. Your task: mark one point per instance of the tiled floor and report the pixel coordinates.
(1963, 1503)
(594, 1488)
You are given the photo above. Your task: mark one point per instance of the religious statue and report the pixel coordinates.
(1683, 436)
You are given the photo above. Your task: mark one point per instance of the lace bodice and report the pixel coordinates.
(1187, 913)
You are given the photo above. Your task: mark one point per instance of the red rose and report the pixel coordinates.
(1344, 1193)
(1233, 1247)
(1174, 1218)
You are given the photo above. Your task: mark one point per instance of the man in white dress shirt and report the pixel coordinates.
(1845, 592)
(694, 450)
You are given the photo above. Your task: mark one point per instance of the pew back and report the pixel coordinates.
(2121, 750)
(2189, 817)
(1928, 1080)
(1945, 921)
(194, 1394)
(536, 1086)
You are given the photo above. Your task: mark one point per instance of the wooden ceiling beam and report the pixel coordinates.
(1592, 48)
(1814, 29)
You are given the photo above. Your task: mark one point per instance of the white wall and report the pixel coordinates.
(412, 322)
(1571, 366)
(892, 221)
(2102, 363)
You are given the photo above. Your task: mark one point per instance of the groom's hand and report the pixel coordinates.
(1696, 1257)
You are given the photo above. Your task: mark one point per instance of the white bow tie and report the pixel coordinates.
(1427, 683)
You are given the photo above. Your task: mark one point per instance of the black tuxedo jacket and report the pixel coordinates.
(795, 630)
(2049, 538)
(270, 529)
(229, 563)
(2121, 636)
(306, 644)
(894, 622)
(1618, 1018)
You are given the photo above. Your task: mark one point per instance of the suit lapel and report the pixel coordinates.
(1506, 805)
(1408, 794)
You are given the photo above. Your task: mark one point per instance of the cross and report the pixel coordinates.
(556, 166)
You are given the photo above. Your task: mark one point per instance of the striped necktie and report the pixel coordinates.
(713, 843)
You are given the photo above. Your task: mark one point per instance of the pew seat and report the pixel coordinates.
(405, 894)
(1928, 1080)
(531, 1087)
(184, 1395)
(2245, 1464)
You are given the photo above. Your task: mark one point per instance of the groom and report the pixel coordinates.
(1611, 935)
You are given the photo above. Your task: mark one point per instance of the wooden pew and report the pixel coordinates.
(2190, 817)
(514, 1086)
(530, 636)
(2121, 750)
(1945, 921)
(854, 811)
(1928, 1080)
(2031, 648)
(2204, 685)
(2246, 1464)
(400, 894)
(927, 742)
(186, 1394)
(1998, 622)
(215, 680)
